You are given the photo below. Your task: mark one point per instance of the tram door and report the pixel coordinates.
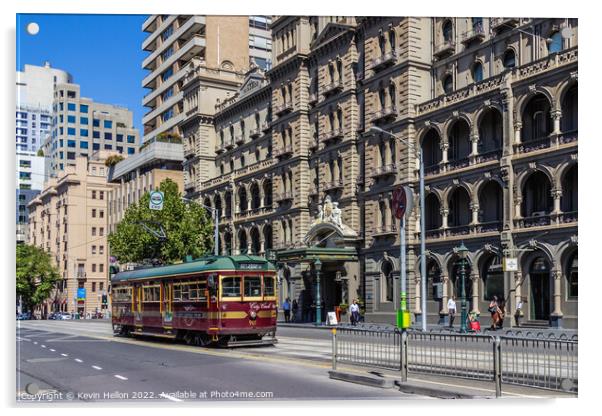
(138, 308)
(166, 312)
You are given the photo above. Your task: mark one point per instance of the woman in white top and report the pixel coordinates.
(451, 308)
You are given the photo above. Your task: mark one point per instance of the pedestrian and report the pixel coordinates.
(286, 307)
(355, 312)
(295, 309)
(493, 310)
(501, 313)
(451, 308)
(519, 312)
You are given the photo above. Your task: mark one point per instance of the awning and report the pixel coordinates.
(309, 254)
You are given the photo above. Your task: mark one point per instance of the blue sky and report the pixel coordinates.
(102, 52)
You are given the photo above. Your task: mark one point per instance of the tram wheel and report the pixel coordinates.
(202, 340)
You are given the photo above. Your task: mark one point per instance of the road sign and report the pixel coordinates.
(510, 264)
(402, 201)
(156, 200)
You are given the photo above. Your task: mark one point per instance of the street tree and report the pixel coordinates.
(36, 275)
(138, 236)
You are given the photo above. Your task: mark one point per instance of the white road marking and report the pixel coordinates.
(65, 355)
(52, 350)
(120, 377)
(43, 346)
(78, 360)
(35, 342)
(168, 397)
(96, 367)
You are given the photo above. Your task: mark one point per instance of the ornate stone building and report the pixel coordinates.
(491, 103)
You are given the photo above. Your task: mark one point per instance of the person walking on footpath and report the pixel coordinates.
(355, 312)
(451, 308)
(286, 307)
(295, 310)
(494, 311)
(519, 312)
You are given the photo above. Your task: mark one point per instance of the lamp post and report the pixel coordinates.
(318, 267)
(215, 215)
(375, 129)
(463, 252)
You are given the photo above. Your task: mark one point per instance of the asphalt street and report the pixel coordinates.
(82, 361)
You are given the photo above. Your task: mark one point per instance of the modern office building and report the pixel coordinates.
(35, 93)
(143, 172)
(29, 177)
(69, 220)
(81, 126)
(491, 103)
(219, 43)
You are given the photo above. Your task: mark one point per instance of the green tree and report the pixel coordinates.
(187, 227)
(36, 275)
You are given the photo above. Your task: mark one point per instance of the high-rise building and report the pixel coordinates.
(69, 220)
(81, 126)
(218, 43)
(29, 182)
(491, 103)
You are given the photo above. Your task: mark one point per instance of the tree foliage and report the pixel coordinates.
(187, 227)
(36, 275)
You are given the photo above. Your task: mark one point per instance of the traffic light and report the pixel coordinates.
(113, 269)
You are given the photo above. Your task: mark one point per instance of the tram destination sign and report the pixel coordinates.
(250, 266)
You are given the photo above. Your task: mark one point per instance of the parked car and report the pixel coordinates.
(64, 316)
(25, 316)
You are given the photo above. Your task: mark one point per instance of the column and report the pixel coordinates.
(517, 204)
(556, 117)
(418, 292)
(474, 277)
(444, 211)
(556, 195)
(518, 284)
(445, 281)
(249, 198)
(261, 244)
(557, 275)
(474, 141)
(474, 208)
(444, 147)
(517, 129)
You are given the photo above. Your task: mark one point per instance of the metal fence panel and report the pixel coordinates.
(368, 348)
(544, 363)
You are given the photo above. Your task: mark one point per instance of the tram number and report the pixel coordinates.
(251, 266)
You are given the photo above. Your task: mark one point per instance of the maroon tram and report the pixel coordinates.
(225, 300)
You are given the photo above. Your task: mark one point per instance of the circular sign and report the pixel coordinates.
(156, 198)
(399, 202)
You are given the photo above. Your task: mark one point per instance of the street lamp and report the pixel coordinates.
(318, 267)
(215, 215)
(463, 252)
(378, 130)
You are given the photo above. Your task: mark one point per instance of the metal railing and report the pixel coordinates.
(535, 362)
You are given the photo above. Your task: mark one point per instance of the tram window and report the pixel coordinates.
(151, 294)
(252, 286)
(231, 287)
(189, 291)
(268, 286)
(122, 295)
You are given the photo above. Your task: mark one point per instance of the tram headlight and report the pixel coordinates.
(253, 315)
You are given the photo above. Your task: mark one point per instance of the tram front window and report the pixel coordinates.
(268, 286)
(252, 286)
(231, 287)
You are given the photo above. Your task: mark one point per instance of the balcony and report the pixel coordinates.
(386, 59)
(283, 151)
(532, 145)
(332, 135)
(385, 231)
(229, 144)
(333, 185)
(384, 114)
(489, 227)
(314, 143)
(189, 186)
(567, 137)
(499, 24)
(444, 49)
(487, 156)
(313, 98)
(432, 234)
(457, 230)
(283, 108)
(567, 217)
(239, 139)
(537, 219)
(386, 170)
(220, 148)
(458, 163)
(188, 151)
(265, 126)
(477, 34)
(81, 275)
(255, 133)
(333, 87)
(284, 197)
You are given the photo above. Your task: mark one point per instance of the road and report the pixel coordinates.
(82, 361)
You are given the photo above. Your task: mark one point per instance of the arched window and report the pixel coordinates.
(493, 278)
(572, 275)
(569, 199)
(509, 59)
(228, 204)
(218, 205)
(383, 214)
(447, 31)
(267, 192)
(554, 43)
(221, 169)
(255, 196)
(569, 110)
(491, 202)
(537, 124)
(228, 242)
(537, 200)
(477, 72)
(392, 95)
(267, 237)
(242, 161)
(387, 280)
(490, 131)
(381, 44)
(231, 165)
(433, 273)
(432, 219)
(284, 232)
(459, 208)
(242, 199)
(255, 241)
(431, 148)
(257, 155)
(448, 84)
(477, 24)
(392, 39)
(459, 141)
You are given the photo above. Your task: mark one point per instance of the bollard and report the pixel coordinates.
(334, 348)
(497, 366)
(403, 350)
